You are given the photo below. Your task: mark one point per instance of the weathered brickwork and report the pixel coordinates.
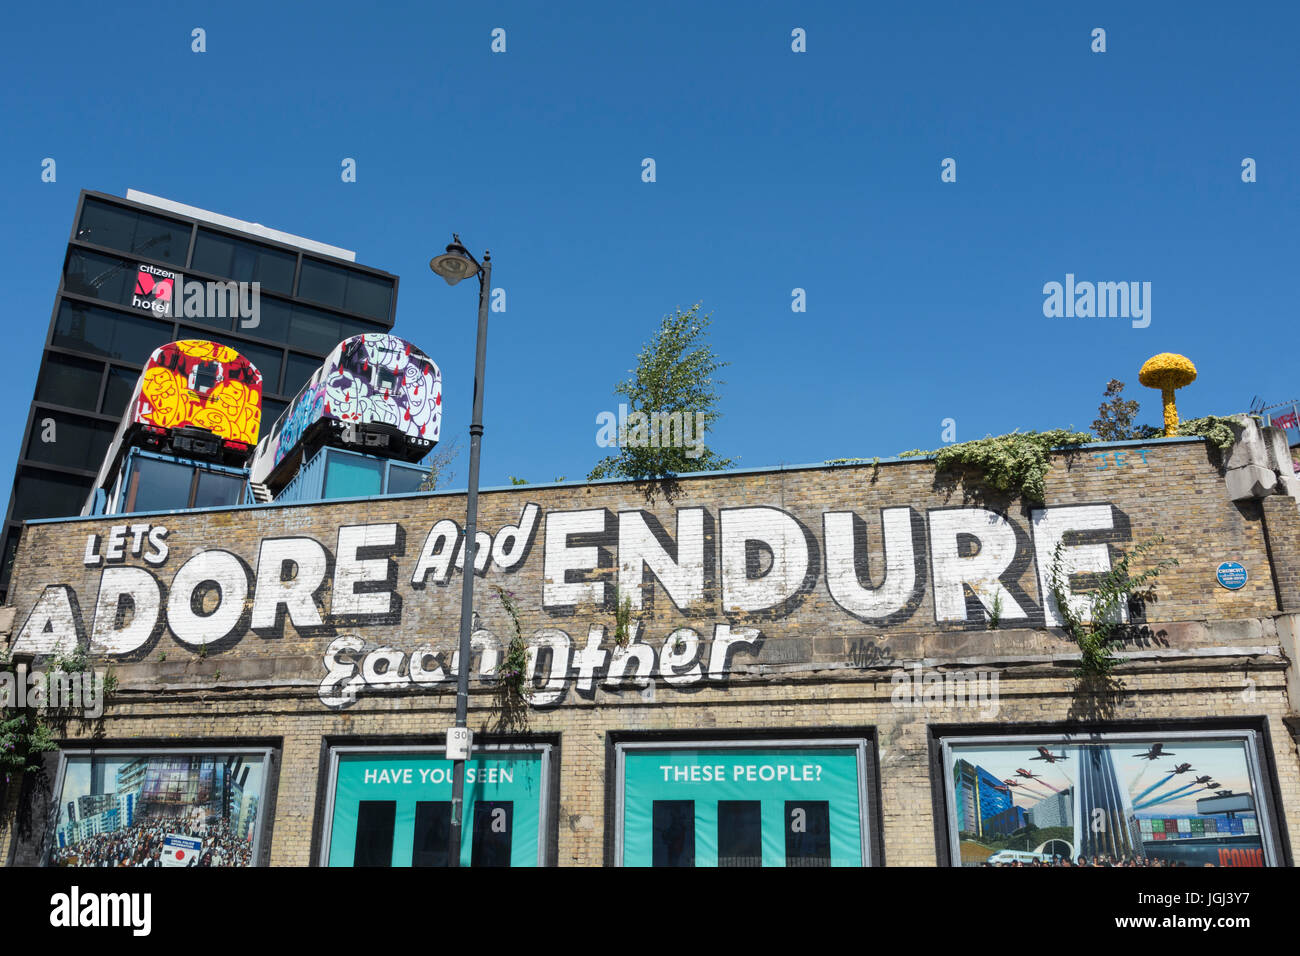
(783, 599)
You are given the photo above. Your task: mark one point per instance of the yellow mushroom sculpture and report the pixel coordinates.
(1167, 372)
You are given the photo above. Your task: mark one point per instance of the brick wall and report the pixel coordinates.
(783, 598)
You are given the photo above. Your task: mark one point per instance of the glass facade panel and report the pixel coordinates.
(272, 319)
(99, 277)
(314, 331)
(139, 233)
(369, 295)
(49, 494)
(157, 485)
(403, 480)
(323, 282)
(343, 288)
(351, 476)
(271, 412)
(121, 385)
(88, 328)
(75, 442)
(69, 381)
(298, 368)
(244, 261)
(217, 490)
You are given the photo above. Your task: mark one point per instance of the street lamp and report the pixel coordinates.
(453, 265)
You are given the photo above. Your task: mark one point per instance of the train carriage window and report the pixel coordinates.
(205, 377)
(375, 823)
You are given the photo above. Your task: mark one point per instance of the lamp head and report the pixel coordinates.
(454, 264)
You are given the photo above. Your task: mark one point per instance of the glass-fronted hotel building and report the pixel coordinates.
(312, 296)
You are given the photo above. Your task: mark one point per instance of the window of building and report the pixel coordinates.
(119, 389)
(135, 807)
(314, 331)
(157, 485)
(506, 807)
(273, 316)
(49, 494)
(69, 381)
(88, 328)
(99, 277)
(160, 484)
(244, 261)
(751, 803)
(297, 370)
(1183, 798)
(353, 476)
(59, 438)
(403, 480)
(342, 288)
(139, 233)
(217, 490)
(271, 412)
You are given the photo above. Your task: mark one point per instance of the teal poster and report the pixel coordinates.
(742, 806)
(393, 809)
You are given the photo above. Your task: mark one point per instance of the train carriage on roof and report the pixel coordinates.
(375, 393)
(195, 400)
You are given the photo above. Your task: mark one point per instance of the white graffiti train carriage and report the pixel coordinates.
(375, 393)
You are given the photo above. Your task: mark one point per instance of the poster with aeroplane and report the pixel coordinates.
(1107, 800)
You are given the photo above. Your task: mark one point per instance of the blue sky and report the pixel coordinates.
(775, 170)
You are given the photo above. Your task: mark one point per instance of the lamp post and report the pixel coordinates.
(456, 264)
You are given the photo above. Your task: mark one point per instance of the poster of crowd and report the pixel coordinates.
(122, 809)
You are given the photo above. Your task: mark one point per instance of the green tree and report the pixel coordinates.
(1114, 421)
(673, 381)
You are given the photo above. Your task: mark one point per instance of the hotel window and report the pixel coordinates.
(139, 233)
(244, 261)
